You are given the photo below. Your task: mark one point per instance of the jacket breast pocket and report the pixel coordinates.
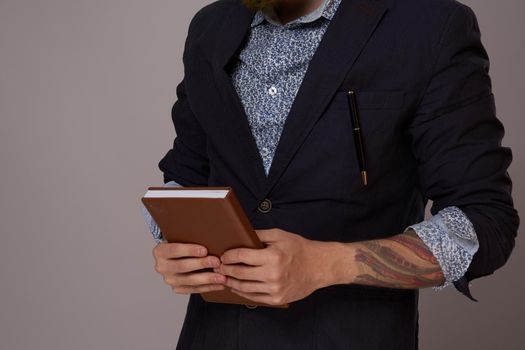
(380, 115)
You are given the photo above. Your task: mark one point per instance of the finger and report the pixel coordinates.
(242, 272)
(248, 256)
(182, 265)
(197, 289)
(247, 286)
(198, 278)
(180, 250)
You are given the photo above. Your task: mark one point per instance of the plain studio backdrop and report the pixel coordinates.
(86, 90)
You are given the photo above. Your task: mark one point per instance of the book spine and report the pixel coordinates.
(245, 224)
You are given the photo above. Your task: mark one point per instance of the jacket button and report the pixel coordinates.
(250, 306)
(265, 206)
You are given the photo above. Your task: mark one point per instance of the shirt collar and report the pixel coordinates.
(326, 9)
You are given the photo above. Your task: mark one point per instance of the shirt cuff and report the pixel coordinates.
(152, 225)
(451, 238)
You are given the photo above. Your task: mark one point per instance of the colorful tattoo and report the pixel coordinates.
(411, 240)
(401, 261)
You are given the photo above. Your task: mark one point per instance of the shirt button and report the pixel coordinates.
(250, 306)
(272, 90)
(265, 206)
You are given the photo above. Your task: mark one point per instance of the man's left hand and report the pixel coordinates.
(289, 268)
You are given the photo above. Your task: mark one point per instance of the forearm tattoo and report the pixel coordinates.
(401, 261)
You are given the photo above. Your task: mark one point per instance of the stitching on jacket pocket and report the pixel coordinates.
(380, 99)
(376, 99)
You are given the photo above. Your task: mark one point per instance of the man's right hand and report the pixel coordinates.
(177, 263)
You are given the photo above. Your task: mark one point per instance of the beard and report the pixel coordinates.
(260, 4)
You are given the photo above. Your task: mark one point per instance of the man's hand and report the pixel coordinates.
(290, 268)
(177, 263)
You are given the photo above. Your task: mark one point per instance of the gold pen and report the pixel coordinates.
(358, 138)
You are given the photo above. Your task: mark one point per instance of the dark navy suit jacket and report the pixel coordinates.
(430, 132)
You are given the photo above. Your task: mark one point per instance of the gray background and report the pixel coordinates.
(86, 89)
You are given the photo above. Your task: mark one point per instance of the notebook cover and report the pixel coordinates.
(218, 224)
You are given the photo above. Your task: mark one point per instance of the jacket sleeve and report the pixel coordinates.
(456, 137)
(187, 161)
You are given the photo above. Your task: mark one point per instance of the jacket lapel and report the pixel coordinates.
(240, 139)
(345, 37)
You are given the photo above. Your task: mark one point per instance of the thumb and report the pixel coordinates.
(268, 235)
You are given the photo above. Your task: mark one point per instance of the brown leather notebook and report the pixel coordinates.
(209, 216)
